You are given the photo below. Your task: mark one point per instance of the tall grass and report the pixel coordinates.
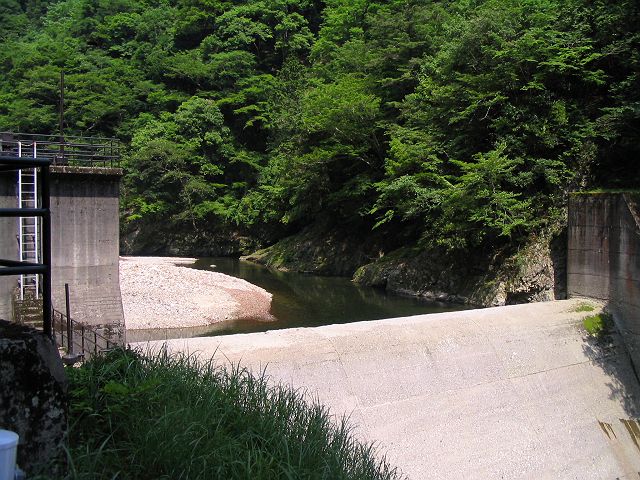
(169, 417)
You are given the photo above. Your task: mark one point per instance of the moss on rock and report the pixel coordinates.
(316, 251)
(535, 273)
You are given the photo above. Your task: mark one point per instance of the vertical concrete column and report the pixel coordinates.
(590, 227)
(604, 258)
(8, 242)
(624, 262)
(85, 245)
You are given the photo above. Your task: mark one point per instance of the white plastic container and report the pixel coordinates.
(8, 451)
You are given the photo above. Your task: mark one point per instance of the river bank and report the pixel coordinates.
(161, 292)
(298, 300)
(535, 272)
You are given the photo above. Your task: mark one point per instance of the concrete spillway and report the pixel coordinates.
(507, 392)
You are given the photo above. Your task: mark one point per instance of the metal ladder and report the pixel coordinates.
(28, 227)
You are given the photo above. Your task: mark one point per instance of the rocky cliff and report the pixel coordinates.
(534, 273)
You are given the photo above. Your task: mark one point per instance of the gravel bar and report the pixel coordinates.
(163, 292)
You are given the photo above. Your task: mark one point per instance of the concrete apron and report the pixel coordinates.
(506, 392)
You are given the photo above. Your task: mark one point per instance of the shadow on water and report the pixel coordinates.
(301, 300)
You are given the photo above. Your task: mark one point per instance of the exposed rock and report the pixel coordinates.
(152, 240)
(432, 274)
(485, 278)
(33, 395)
(317, 251)
(535, 273)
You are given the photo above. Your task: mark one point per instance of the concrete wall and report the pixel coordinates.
(604, 258)
(8, 243)
(84, 244)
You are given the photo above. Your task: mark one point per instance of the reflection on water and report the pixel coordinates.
(301, 300)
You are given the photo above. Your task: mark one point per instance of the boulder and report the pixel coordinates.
(33, 395)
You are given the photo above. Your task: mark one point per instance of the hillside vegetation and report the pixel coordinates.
(455, 125)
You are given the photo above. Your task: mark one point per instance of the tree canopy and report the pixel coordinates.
(462, 123)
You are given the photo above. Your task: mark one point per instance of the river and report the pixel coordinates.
(300, 300)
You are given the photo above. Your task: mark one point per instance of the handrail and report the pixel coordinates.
(86, 343)
(71, 150)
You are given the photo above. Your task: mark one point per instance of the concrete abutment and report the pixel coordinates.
(84, 245)
(604, 258)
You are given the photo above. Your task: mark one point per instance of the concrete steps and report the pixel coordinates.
(28, 312)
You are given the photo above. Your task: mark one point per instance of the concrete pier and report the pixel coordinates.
(604, 257)
(8, 241)
(517, 392)
(84, 244)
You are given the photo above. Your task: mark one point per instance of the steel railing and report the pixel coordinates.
(80, 341)
(72, 150)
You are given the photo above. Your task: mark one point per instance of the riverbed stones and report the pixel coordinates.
(164, 292)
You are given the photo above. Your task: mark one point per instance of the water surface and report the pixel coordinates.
(301, 300)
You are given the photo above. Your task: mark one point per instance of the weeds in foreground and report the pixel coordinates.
(597, 325)
(169, 417)
(585, 307)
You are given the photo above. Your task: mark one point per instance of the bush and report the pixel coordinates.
(170, 417)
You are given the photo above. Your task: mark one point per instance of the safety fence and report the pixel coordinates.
(80, 341)
(70, 150)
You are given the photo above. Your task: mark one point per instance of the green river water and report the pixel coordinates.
(300, 300)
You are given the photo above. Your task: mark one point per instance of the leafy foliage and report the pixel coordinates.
(457, 123)
(597, 325)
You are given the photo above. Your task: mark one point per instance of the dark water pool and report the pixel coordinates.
(301, 300)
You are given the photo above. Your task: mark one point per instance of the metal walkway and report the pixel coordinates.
(72, 150)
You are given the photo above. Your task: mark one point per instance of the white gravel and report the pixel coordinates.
(160, 292)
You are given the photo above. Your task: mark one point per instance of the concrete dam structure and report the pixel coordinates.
(604, 258)
(516, 392)
(509, 392)
(84, 245)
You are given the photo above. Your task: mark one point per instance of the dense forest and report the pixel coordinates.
(457, 125)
